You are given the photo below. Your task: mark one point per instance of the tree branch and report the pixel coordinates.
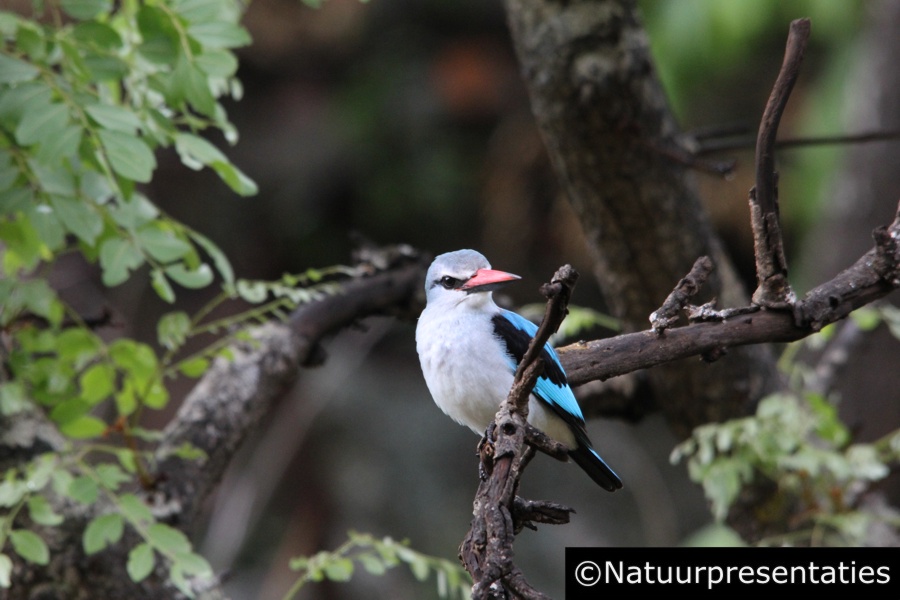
(873, 276)
(774, 290)
(235, 394)
(487, 550)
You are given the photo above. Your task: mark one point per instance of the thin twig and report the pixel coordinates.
(667, 314)
(774, 290)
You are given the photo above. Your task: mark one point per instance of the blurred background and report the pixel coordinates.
(406, 121)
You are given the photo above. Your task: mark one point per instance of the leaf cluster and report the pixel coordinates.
(376, 556)
(797, 442)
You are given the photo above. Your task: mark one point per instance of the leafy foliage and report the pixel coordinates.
(376, 556)
(797, 442)
(89, 91)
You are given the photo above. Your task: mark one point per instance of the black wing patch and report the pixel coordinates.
(517, 340)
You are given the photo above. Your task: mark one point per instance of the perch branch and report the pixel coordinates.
(487, 550)
(873, 276)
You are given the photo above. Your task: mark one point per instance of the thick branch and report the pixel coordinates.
(873, 276)
(236, 394)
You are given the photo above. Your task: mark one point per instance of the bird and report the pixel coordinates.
(469, 349)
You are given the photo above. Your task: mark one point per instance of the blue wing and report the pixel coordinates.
(515, 331)
(551, 387)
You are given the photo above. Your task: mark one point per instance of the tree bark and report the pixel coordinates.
(610, 134)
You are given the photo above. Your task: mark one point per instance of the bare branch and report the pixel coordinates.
(487, 550)
(687, 288)
(774, 290)
(234, 395)
(873, 276)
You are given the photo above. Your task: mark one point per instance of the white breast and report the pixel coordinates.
(464, 368)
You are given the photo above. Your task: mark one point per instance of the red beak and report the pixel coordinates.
(485, 280)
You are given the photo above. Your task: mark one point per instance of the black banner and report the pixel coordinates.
(598, 572)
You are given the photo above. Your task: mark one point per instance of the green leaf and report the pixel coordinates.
(40, 471)
(9, 170)
(42, 122)
(137, 359)
(196, 151)
(79, 217)
(41, 512)
(6, 566)
(128, 155)
(86, 9)
(141, 561)
(78, 346)
(173, 329)
(134, 212)
(194, 367)
(419, 567)
(102, 531)
(218, 257)
(64, 144)
(372, 564)
(106, 68)
(97, 34)
(339, 569)
(117, 257)
(197, 278)
(188, 451)
(193, 564)
(30, 40)
(162, 243)
(161, 285)
(116, 118)
(219, 34)
(167, 539)
(217, 63)
(252, 291)
(15, 102)
(235, 178)
(15, 199)
(84, 427)
(111, 476)
(97, 383)
(156, 396)
(135, 509)
(13, 70)
(13, 398)
(45, 221)
(12, 490)
(160, 44)
(29, 546)
(190, 83)
(23, 245)
(56, 181)
(68, 410)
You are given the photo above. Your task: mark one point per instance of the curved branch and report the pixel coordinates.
(873, 276)
(235, 394)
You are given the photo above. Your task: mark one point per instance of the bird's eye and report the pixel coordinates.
(449, 282)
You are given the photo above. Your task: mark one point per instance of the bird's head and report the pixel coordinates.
(463, 276)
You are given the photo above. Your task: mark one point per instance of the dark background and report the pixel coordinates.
(406, 121)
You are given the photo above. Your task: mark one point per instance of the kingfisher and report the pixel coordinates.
(469, 349)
